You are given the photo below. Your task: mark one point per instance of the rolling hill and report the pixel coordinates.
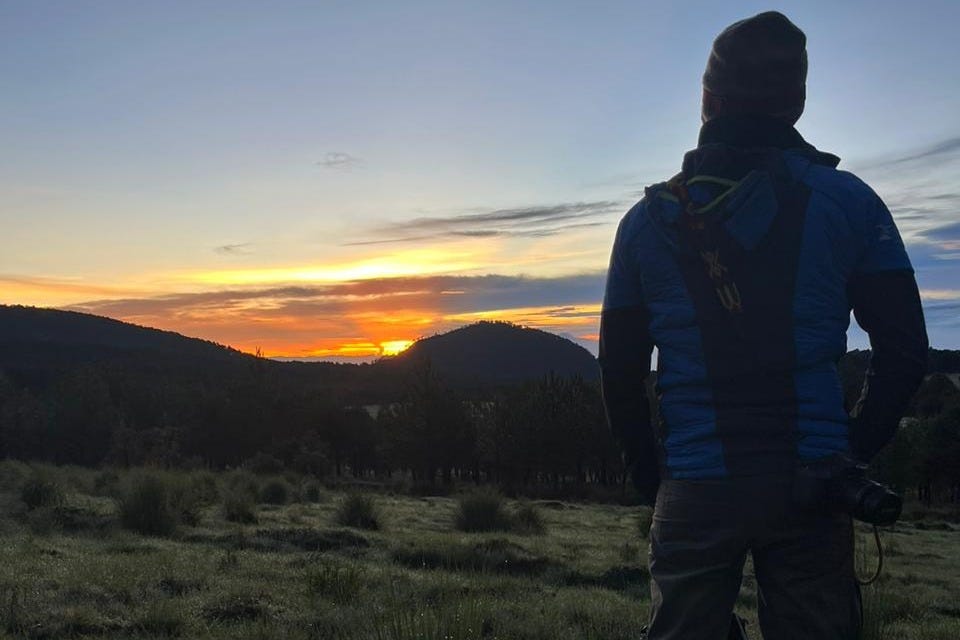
(37, 344)
(498, 352)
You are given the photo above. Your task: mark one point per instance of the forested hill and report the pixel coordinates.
(37, 345)
(82, 389)
(40, 343)
(488, 351)
(80, 333)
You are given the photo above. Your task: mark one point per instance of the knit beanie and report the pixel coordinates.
(759, 66)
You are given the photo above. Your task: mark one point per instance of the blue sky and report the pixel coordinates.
(236, 170)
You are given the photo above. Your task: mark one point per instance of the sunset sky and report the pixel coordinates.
(319, 179)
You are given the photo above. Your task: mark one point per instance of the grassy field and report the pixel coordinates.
(69, 569)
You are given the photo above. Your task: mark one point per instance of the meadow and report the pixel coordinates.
(110, 554)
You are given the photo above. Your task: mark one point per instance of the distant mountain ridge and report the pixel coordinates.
(53, 327)
(40, 342)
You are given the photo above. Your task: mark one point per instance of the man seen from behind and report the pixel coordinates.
(742, 271)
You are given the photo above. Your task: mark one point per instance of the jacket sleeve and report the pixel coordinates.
(886, 303)
(625, 350)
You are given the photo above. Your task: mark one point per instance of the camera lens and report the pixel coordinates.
(877, 505)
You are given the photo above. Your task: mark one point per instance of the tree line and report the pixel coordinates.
(548, 433)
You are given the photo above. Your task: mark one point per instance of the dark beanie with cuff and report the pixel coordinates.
(759, 66)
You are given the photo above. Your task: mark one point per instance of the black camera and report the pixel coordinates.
(840, 484)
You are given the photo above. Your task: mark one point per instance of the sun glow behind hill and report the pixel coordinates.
(393, 347)
(368, 302)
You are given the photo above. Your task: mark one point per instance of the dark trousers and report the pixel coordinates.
(701, 533)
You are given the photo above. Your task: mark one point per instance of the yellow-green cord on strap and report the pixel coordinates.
(713, 180)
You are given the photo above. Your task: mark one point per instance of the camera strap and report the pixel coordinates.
(876, 575)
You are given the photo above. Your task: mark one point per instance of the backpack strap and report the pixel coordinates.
(704, 237)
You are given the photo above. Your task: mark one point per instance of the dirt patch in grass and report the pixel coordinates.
(174, 586)
(239, 608)
(130, 548)
(632, 580)
(497, 555)
(291, 539)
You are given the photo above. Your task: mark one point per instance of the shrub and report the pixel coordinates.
(482, 511)
(106, 483)
(43, 521)
(311, 492)
(239, 506)
(359, 510)
(529, 519)
(147, 506)
(12, 474)
(204, 486)
(185, 500)
(275, 492)
(245, 483)
(41, 491)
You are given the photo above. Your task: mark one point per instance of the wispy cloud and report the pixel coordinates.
(302, 320)
(920, 188)
(339, 160)
(239, 249)
(945, 147)
(51, 291)
(539, 221)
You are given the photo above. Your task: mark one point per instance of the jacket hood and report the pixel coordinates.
(741, 188)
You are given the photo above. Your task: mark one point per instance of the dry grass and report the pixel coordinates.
(297, 573)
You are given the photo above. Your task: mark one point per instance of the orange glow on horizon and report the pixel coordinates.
(393, 347)
(413, 262)
(580, 321)
(333, 320)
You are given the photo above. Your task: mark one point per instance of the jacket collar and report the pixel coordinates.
(760, 132)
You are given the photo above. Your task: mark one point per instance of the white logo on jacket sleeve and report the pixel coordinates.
(886, 232)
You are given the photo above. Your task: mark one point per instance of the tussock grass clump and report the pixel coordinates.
(238, 506)
(239, 498)
(147, 506)
(529, 520)
(165, 618)
(243, 481)
(310, 492)
(340, 583)
(359, 510)
(40, 490)
(185, 499)
(106, 483)
(238, 607)
(12, 474)
(482, 511)
(461, 620)
(275, 491)
(203, 484)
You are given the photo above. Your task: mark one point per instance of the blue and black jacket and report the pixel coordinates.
(742, 272)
